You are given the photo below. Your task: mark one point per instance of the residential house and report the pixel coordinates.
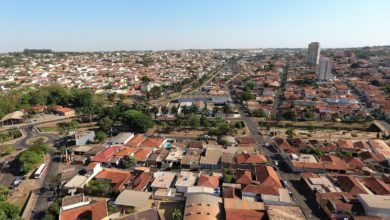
(64, 111)
(93, 211)
(212, 158)
(191, 159)
(133, 199)
(107, 155)
(142, 181)
(163, 180)
(156, 142)
(209, 181)
(237, 209)
(185, 180)
(136, 140)
(121, 138)
(203, 206)
(244, 177)
(117, 178)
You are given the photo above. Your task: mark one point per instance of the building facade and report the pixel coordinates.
(313, 54)
(325, 70)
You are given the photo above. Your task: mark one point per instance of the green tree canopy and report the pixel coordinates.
(100, 137)
(137, 121)
(106, 123)
(129, 162)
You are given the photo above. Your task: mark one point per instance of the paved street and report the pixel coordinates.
(307, 204)
(44, 194)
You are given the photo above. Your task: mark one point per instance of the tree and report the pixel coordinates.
(137, 121)
(8, 210)
(245, 96)
(4, 191)
(9, 150)
(227, 176)
(354, 65)
(164, 110)
(193, 121)
(40, 147)
(259, 113)
(250, 85)
(54, 209)
(154, 111)
(309, 114)
(177, 215)
(174, 110)
(194, 108)
(54, 182)
(106, 123)
(129, 162)
(227, 109)
(290, 132)
(100, 137)
(98, 187)
(289, 115)
(145, 79)
(28, 159)
(155, 92)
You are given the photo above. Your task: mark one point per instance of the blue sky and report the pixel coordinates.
(95, 25)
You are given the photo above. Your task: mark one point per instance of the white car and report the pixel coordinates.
(16, 182)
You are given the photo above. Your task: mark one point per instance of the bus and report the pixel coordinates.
(41, 169)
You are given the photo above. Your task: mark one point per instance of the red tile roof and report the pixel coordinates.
(351, 185)
(136, 140)
(107, 154)
(267, 176)
(244, 177)
(63, 109)
(141, 181)
(261, 189)
(152, 142)
(208, 181)
(241, 214)
(142, 153)
(117, 177)
(91, 166)
(126, 151)
(250, 158)
(377, 186)
(93, 211)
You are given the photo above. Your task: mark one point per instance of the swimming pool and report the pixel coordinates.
(168, 145)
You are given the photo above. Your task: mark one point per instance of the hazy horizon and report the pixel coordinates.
(89, 26)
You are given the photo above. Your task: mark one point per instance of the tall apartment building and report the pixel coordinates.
(325, 70)
(313, 54)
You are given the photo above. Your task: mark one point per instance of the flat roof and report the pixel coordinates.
(276, 212)
(133, 198)
(375, 201)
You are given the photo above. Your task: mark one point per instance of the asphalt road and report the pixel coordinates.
(301, 198)
(42, 202)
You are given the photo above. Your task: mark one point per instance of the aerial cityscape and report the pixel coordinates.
(174, 110)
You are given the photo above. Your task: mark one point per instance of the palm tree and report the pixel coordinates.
(154, 111)
(227, 109)
(176, 215)
(184, 109)
(215, 110)
(164, 110)
(174, 110)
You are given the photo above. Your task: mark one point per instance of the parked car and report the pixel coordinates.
(285, 183)
(16, 182)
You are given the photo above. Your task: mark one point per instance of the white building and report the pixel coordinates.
(375, 205)
(325, 70)
(313, 54)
